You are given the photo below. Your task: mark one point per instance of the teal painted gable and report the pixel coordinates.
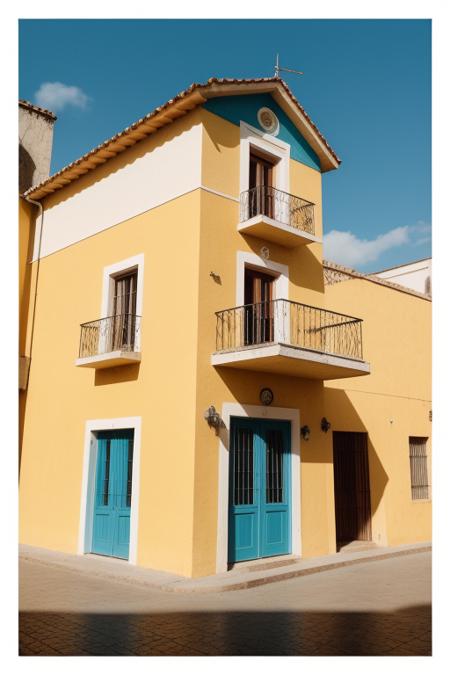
(245, 108)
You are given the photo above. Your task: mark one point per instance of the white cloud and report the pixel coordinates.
(422, 231)
(345, 247)
(55, 96)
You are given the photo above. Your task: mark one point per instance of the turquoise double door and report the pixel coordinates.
(113, 487)
(259, 523)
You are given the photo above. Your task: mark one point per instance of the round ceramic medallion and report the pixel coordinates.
(266, 396)
(268, 121)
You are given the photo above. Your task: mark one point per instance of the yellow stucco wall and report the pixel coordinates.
(62, 397)
(184, 241)
(399, 391)
(392, 403)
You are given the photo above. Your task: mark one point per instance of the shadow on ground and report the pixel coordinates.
(403, 633)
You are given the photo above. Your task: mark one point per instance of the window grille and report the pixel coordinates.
(418, 467)
(243, 467)
(274, 467)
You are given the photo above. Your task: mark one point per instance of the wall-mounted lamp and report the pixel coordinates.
(212, 417)
(305, 432)
(325, 424)
(216, 277)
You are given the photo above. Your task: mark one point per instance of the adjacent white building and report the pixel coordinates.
(415, 275)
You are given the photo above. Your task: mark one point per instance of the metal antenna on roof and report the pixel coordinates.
(286, 70)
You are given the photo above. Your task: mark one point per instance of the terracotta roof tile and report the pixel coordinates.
(88, 161)
(348, 271)
(35, 108)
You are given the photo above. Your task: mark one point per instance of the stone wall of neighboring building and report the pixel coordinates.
(35, 144)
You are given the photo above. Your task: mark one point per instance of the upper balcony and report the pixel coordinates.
(112, 341)
(280, 336)
(277, 216)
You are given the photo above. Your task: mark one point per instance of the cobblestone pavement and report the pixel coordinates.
(376, 608)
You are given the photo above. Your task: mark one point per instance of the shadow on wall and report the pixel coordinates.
(212, 127)
(405, 632)
(314, 401)
(344, 417)
(27, 167)
(306, 272)
(122, 160)
(115, 375)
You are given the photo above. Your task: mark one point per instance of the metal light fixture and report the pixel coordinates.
(325, 424)
(216, 277)
(212, 417)
(305, 432)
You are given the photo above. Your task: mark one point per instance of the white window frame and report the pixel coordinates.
(85, 529)
(269, 145)
(135, 263)
(292, 415)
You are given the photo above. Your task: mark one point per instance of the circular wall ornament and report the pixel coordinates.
(266, 396)
(268, 121)
(265, 253)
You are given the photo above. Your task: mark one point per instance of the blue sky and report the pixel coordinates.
(367, 86)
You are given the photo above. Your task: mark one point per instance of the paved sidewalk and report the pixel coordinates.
(245, 575)
(375, 607)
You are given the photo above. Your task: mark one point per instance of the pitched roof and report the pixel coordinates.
(180, 105)
(35, 108)
(335, 273)
(396, 267)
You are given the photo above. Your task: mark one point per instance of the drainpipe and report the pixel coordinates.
(41, 217)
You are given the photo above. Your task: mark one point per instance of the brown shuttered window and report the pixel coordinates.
(418, 467)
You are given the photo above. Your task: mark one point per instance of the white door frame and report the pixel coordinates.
(88, 481)
(281, 289)
(229, 410)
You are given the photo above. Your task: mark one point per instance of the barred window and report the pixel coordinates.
(418, 467)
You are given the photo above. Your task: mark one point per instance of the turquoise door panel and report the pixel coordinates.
(111, 530)
(260, 489)
(244, 496)
(276, 504)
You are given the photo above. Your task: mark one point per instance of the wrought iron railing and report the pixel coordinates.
(282, 206)
(290, 323)
(110, 334)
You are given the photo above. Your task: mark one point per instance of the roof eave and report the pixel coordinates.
(184, 102)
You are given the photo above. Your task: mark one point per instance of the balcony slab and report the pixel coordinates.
(273, 230)
(109, 360)
(285, 359)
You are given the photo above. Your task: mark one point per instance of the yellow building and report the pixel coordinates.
(203, 387)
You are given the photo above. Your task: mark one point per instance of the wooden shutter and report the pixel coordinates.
(418, 467)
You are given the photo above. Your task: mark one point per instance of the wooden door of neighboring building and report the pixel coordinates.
(351, 487)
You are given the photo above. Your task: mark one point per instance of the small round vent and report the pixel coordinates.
(268, 121)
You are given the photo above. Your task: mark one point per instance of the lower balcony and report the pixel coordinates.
(290, 338)
(112, 341)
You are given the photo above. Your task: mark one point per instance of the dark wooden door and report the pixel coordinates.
(261, 187)
(258, 299)
(351, 487)
(124, 312)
